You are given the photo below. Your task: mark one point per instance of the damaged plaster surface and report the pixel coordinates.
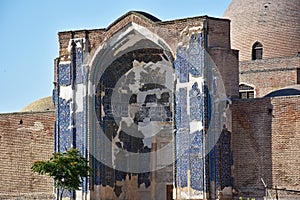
(135, 101)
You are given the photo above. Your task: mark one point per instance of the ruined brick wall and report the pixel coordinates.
(25, 138)
(265, 144)
(270, 74)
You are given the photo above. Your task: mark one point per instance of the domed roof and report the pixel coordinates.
(273, 23)
(42, 104)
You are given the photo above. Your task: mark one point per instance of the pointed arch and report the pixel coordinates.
(129, 38)
(130, 86)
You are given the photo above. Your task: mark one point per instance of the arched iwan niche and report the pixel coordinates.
(130, 118)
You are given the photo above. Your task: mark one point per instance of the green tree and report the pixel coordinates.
(66, 168)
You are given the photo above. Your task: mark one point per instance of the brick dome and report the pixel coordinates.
(42, 104)
(275, 24)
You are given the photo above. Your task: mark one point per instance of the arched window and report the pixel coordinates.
(257, 51)
(246, 91)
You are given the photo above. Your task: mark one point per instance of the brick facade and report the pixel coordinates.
(264, 131)
(271, 74)
(275, 24)
(25, 138)
(217, 41)
(265, 144)
(116, 52)
(286, 142)
(258, 146)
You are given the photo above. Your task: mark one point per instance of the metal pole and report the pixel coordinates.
(267, 191)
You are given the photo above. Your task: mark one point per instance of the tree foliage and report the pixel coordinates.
(66, 168)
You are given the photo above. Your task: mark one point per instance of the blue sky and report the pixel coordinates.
(28, 34)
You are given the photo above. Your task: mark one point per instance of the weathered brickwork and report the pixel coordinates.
(115, 52)
(251, 136)
(218, 30)
(217, 40)
(266, 145)
(25, 138)
(268, 75)
(263, 132)
(286, 142)
(227, 63)
(275, 24)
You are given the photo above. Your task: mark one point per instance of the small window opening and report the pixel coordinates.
(246, 91)
(257, 51)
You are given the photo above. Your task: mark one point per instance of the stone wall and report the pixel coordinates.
(266, 145)
(24, 138)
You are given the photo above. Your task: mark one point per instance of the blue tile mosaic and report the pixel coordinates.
(217, 166)
(71, 74)
(84, 126)
(64, 74)
(55, 96)
(182, 101)
(80, 138)
(196, 143)
(196, 103)
(197, 173)
(181, 65)
(64, 119)
(207, 106)
(189, 146)
(196, 160)
(211, 161)
(182, 143)
(182, 168)
(56, 134)
(177, 111)
(226, 159)
(80, 71)
(206, 173)
(195, 55)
